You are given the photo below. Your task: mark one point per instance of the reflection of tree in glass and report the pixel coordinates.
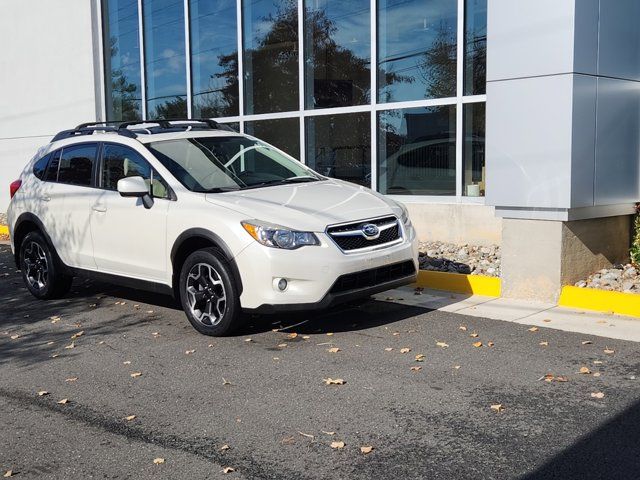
(476, 64)
(125, 101)
(176, 108)
(221, 102)
(438, 68)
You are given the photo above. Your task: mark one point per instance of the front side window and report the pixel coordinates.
(76, 164)
(215, 164)
(120, 162)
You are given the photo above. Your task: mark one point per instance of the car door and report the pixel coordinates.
(63, 202)
(129, 239)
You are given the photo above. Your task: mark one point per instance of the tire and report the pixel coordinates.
(41, 270)
(209, 295)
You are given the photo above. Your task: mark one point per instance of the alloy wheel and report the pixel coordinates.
(36, 266)
(206, 295)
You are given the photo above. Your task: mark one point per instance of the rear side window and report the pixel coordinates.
(40, 167)
(76, 164)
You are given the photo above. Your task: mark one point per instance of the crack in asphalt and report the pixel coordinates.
(203, 447)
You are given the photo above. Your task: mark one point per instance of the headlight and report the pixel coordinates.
(277, 236)
(405, 215)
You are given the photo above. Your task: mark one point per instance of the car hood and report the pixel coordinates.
(307, 206)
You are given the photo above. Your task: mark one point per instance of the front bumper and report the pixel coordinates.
(313, 272)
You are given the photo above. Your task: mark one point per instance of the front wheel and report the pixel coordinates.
(209, 295)
(41, 273)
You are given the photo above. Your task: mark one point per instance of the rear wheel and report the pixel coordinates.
(209, 295)
(41, 273)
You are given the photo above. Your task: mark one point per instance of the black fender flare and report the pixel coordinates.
(217, 243)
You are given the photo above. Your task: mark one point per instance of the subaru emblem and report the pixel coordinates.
(370, 231)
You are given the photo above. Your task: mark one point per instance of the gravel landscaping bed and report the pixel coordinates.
(3, 218)
(467, 259)
(620, 278)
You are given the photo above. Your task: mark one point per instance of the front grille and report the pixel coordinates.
(389, 233)
(373, 277)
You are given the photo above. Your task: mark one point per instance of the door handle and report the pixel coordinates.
(99, 208)
(45, 198)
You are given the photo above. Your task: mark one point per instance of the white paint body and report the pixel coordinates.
(100, 230)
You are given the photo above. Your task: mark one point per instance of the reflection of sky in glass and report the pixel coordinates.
(350, 20)
(164, 49)
(123, 30)
(475, 47)
(406, 30)
(213, 34)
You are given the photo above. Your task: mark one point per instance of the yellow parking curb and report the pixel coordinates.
(459, 283)
(4, 230)
(600, 300)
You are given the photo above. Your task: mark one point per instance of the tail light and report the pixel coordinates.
(13, 188)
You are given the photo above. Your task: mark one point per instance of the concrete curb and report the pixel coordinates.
(459, 283)
(600, 300)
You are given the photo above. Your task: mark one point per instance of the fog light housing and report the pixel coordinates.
(282, 284)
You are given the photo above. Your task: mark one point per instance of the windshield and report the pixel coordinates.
(218, 164)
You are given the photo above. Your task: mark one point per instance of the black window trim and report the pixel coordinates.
(98, 174)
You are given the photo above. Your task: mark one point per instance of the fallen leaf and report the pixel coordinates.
(597, 395)
(158, 460)
(136, 374)
(544, 344)
(41, 393)
(498, 407)
(308, 435)
(14, 337)
(282, 345)
(420, 357)
(127, 362)
(477, 344)
(64, 401)
(330, 334)
(292, 335)
(332, 381)
(8, 473)
(395, 334)
(210, 345)
(416, 369)
(366, 449)
(50, 343)
(534, 329)
(228, 470)
(248, 340)
(155, 334)
(388, 349)
(71, 379)
(587, 342)
(490, 344)
(224, 448)
(225, 381)
(596, 374)
(306, 337)
(405, 350)
(189, 352)
(463, 328)
(474, 335)
(598, 362)
(76, 335)
(70, 346)
(128, 418)
(442, 344)
(149, 311)
(608, 351)
(328, 433)
(333, 350)
(55, 355)
(337, 445)
(457, 367)
(585, 371)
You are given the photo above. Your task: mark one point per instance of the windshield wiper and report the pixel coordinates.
(282, 181)
(221, 189)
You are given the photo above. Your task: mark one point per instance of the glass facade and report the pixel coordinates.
(303, 81)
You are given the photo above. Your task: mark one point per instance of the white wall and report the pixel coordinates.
(48, 76)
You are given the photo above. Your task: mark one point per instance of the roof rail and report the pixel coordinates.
(90, 128)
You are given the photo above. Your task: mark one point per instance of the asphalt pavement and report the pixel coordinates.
(414, 388)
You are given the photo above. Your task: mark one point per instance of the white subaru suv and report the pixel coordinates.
(224, 222)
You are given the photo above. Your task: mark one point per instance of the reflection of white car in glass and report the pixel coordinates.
(220, 220)
(423, 167)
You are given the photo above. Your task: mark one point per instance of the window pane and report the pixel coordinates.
(119, 162)
(475, 51)
(338, 54)
(282, 133)
(52, 169)
(214, 58)
(270, 55)
(122, 60)
(165, 67)
(473, 178)
(417, 151)
(416, 49)
(76, 164)
(339, 146)
(40, 167)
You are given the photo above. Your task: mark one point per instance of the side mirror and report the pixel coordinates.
(135, 187)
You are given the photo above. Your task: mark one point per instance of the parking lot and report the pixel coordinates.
(148, 397)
